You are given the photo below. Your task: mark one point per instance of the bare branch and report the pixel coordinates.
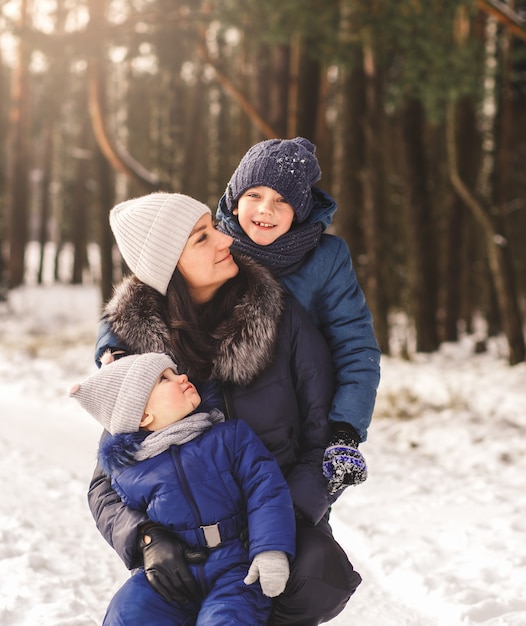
(116, 154)
(458, 184)
(505, 15)
(234, 92)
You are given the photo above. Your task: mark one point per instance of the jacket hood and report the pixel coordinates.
(323, 209)
(137, 315)
(118, 451)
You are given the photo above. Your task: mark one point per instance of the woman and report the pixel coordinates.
(255, 355)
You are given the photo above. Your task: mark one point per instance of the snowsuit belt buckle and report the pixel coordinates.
(212, 535)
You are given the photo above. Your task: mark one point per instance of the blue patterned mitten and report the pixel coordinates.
(343, 463)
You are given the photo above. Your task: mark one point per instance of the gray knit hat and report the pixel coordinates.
(289, 166)
(151, 232)
(117, 394)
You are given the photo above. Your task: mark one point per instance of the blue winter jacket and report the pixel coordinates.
(225, 477)
(327, 287)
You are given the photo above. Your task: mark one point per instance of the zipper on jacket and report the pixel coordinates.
(175, 452)
(229, 414)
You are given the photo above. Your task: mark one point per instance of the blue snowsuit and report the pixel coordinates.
(327, 287)
(224, 479)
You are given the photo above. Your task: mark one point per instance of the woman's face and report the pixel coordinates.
(206, 263)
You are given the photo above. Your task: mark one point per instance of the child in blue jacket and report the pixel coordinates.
(277, 215)
(212, 483)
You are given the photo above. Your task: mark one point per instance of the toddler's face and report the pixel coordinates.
(172, 399)
(264, 215)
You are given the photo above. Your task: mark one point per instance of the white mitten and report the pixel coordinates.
(272, 569)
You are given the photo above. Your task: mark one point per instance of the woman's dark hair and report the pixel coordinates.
(196, 330)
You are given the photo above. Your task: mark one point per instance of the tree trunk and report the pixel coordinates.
(497, 251)
(105, 175)
(293, 87)
(309, 86)
(421, 229)
(105, 201)
(457, 259)
(45, 209)
(500, 264)
(349, 157)
(195, 167)
(279, 93)
(80, 209)
(373, 200)
(4, 132)
(20, 158)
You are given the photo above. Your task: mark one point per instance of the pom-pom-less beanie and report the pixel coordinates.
(289, 166)
(117, 394)
(151, 232)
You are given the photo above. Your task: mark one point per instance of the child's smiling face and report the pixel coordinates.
(264, 215)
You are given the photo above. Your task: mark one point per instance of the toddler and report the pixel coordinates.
(212, 483)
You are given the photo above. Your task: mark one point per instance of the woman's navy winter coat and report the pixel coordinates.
(226, 477)
(281, 388)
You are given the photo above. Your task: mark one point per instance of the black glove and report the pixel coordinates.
(343, 463)
(165, 565)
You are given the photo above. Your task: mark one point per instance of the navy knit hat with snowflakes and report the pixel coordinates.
(289, 166)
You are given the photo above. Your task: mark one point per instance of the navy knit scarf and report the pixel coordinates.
(283, 256)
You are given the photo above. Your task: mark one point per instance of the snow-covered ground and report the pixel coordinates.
(438, 531)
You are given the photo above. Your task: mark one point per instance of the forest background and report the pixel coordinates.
(417, 109)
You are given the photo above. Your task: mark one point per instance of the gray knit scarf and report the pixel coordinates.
(283, 256)
(177, 434)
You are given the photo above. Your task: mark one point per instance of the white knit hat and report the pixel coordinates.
(151, 232)
(117, 394)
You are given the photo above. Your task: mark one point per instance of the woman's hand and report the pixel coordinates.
(108, 356)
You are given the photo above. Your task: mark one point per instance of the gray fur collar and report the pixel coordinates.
(136, 314)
